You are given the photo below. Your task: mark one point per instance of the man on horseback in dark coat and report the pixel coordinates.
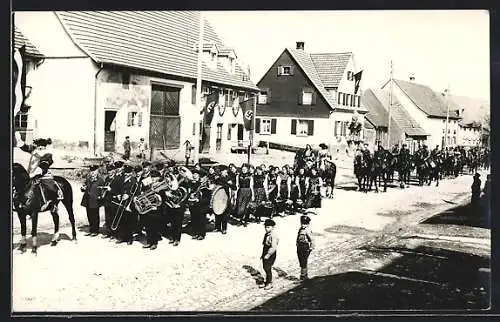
(38, 168)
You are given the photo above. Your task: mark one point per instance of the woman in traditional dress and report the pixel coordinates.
(302, 182)
(272, 188)
(314, 194)
(245, 194)
(232, 173)
(284, 189)
(309, 157)
(259, 186)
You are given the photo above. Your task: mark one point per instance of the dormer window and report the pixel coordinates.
(262, 98)
(285, 70)
(232, 65)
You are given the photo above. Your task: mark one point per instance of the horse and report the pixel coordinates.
(404, 168)
(27, 202)
(362, 167)
(382, 166)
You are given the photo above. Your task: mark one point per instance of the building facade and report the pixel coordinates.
(429, 109)
(114, 79)
(295, 106)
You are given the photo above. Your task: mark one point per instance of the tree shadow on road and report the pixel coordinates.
(422, 279)
(464, 215)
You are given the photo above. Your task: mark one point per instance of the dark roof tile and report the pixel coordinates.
(330, 67)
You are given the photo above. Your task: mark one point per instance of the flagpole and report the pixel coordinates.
(253, 128)
(198, 133)
(445, 143)
(390, 108)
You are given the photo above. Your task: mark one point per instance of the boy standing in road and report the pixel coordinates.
(305, 245)
(268, 257)
(126, 148)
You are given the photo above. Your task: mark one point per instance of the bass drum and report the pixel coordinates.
(219, 200)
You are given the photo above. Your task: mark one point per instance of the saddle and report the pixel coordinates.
(50, 187)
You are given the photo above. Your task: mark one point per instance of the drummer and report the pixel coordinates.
(224, 180)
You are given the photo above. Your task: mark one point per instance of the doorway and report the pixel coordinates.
(109, 131)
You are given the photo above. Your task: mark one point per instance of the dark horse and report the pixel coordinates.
(382, 166)
(362, 169)
(428, 170)
(328, 172)
(27, 202)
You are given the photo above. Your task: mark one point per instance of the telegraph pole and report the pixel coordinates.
(197, 143)
(390, 107)
(447, 117)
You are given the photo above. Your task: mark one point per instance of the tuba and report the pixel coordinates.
(150, 200)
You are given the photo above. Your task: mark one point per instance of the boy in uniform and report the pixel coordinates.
(305, 245)
(270, 244)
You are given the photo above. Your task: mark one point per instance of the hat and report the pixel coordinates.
(118, 164)
(128, 164)
(146, 164)
(305, 220)
(269, 223)
(137, 168)
(155, 174)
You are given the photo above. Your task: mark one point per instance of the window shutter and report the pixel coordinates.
(257, 125)
(129, 119)
(294, 127)
(310, 127)
(194, 128)
(339, 100)
(279, 70)
(291, 70)
(300, 95)
(359, 101)
(229, 132)
(273, 126)
(193, 94)
(140, 119)
(335, 131)
(313, 100)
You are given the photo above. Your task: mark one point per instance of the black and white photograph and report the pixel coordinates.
(250, 161)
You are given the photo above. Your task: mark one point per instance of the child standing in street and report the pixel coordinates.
(305, 245)
(268, 257)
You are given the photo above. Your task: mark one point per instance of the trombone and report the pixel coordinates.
(124, 205)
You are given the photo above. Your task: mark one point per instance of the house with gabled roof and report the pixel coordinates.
(429, 109)
(404, 129)
(32, 59)
(475, 120)
(108, 75)
(308, 98)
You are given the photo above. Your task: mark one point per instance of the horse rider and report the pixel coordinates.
(404, 165)
(38, 167)
(395, 149)
(435, 152)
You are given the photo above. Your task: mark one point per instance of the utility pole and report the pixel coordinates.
(198, 130)
(447, 117)
(390, 108)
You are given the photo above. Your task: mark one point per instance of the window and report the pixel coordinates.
(265, 127)
(262, 98)
(306, 98)
(349, 76)
(21, 121)
(285, 70)
(302, 128)
(194, 128)
(353, 99)
(228, 98)
(443, 131)
(337, 128)
(219, 131)
(454, 132)
(232, 65)
(340, 98)
(247, 97)
(134, 119)
(125, 80)
(359, 101)
(454, 140)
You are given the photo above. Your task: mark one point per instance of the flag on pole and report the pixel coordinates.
(357, 80)
(208, 111)
(247, 109)
(19, 79)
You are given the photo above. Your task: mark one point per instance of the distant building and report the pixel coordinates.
(404, 129)
(113, 74)
(474, 123)
(429, 109)
(308, 98)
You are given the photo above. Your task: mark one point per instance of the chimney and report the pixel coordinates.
(412, 78)
(300, 45)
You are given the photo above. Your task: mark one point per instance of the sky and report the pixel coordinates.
(440, 48)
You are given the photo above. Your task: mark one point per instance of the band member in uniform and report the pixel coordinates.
(224, 180)
(151, 219)
(129, 188)
(314, 195)
(259, 186)
(90, 199)
(199, 205)
(110, 193)
(176, 211)
(245, 194)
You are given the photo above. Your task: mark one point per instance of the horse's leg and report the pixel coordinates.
(34, 224)
(68, 204)
(386, 179)
(55, 219)
(22, 221)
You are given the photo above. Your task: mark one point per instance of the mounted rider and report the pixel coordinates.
(38, 167)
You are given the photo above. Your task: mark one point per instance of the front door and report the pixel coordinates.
(109, 131)
(240, 134)
(218, 141)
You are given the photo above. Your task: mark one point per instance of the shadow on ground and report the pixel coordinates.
(43, 239)
(464, 215)
(423, 278)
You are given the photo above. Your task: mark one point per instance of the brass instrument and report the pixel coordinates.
(194, 195)
(151, 200)
(124, 205)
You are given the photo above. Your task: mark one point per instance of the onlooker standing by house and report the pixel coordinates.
(305, 245)
(142, 149)
(476, 190)
(126, 148)
(270, 244)
(486, 194)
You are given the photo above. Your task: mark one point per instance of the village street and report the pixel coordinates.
(221, 272)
